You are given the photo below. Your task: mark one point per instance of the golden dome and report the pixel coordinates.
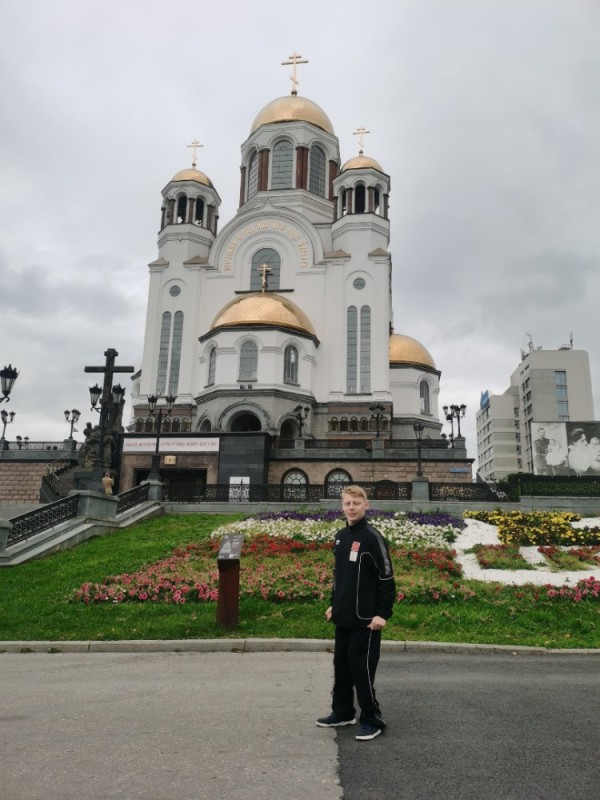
(406, 350)
(192, 174)
(362, 162)
(263, 308)
(292, 109)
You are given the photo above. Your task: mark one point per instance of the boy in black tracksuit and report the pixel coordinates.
(362, 599)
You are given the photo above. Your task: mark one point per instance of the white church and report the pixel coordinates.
(280, 321)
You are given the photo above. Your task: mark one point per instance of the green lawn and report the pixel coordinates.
(35, 600)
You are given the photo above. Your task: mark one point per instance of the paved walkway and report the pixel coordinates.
(481, 533)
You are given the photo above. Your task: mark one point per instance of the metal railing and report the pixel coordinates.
(133, 497)
(468, 492)
(26, 525)
(288, 493)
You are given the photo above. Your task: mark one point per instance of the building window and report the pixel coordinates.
(163, 353)
(283, 163)
(290, 364)
(212, 366)
(176, 353)
(365, 349)
(272, 259)
(181, 208)
(424, 395)
(253, 175)
(316, 183)
(295, 477)
(351, 349)
(248, 361)
(360, 203)
(335, 482)
(334, 424)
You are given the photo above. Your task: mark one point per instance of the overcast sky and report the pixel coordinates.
(485, 113)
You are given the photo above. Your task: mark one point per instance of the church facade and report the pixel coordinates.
(278, 325)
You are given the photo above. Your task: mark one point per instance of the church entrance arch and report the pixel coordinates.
(245, 422)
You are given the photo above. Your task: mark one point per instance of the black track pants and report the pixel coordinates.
(355, 662)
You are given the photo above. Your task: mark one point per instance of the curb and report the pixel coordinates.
(271, 646)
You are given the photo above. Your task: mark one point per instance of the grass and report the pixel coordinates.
(500, 556)
(438, 605)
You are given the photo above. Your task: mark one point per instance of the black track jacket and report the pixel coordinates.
(363, 581)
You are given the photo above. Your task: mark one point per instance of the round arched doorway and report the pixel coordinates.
(245, 422)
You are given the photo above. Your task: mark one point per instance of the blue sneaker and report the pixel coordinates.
(367, 732)
(333, 721)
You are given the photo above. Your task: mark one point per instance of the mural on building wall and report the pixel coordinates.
(565, 448)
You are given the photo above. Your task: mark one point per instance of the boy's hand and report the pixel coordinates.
(377, 623)
(328, 614)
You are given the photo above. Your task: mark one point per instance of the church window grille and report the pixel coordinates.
(317, 171)
(176, 353)
(272, 259)
(181, 208)
(290, 364)
(253, 175)
(365, 349)
(360, 199)
(248, 361)
(424, 396)
(163, 353)
(212, 366)
(283, 165)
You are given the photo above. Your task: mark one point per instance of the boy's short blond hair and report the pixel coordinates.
(355, 491)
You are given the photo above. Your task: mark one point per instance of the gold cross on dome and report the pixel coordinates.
(195, 145)
(294, 60)
(360, 132)
(264, 269)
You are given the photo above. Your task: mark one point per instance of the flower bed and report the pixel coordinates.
(500, 556)
(573, 558)
(537, 528)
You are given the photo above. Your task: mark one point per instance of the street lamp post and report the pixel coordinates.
(152, 401)
(22, 442)
(454, 412)
(418, 428)
(72, 418)
(377, 415)
(6, 420)
(8, 376)
(301, 413)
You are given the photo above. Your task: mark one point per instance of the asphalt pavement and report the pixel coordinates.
(466, 724)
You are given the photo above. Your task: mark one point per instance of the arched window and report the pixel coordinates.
(176, 352)
(290, 364)
(316, 183)
(205, 426)
(283, 164)
(212, 366)
(424, 395)
(149, 425)
(376, 201)
(351, 349)
(272, 259)
(335, 482)
(199, 211)
(365, 349)
(344, 424)
(139, 425)
(364, 424)
(248, 361)
(163, 353)
(334, 424)
(167, 425)
(181, 214)
(353, 424)
(253, 175)
(360, 199)
(295, 477)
